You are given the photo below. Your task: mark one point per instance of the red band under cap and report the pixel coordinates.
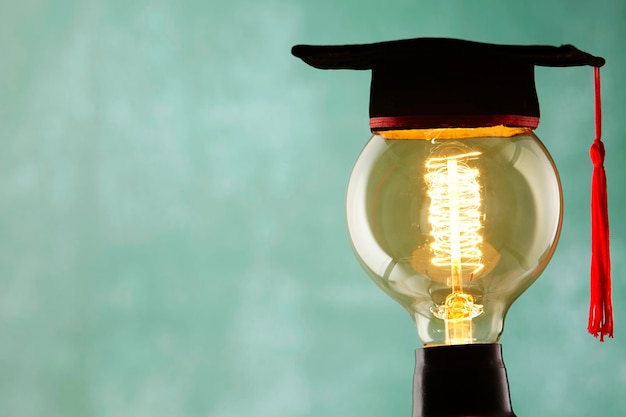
(435, 121)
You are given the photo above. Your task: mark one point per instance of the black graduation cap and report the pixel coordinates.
(441, 82)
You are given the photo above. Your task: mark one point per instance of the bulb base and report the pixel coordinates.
(461, 380)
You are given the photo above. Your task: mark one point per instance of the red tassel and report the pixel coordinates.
(601, 306)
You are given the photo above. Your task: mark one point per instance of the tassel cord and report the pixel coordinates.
(601, 309)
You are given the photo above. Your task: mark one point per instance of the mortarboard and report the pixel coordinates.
(427, 83)
(439, 82)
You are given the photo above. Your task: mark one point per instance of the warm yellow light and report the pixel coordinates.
(455, 220)
(452, 133)
(454, 224)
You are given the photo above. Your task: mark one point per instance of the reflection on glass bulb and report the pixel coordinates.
(454, 224)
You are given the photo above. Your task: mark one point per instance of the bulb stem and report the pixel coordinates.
(456, 271)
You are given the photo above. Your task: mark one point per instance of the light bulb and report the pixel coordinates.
(454, 224)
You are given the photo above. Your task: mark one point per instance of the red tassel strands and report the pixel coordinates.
(601, 306)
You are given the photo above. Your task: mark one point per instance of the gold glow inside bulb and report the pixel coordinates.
(454, 224)
(455, 219)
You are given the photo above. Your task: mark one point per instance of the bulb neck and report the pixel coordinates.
(461, 380)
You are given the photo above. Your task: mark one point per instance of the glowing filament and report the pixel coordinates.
(456, 223)
(455, 215)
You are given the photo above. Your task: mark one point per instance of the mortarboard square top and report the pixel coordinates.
(440, 82)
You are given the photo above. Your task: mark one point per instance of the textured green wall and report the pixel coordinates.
(172, 238)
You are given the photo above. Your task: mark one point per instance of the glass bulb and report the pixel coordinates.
(454, 224)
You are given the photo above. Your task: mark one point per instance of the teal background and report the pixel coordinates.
(172, 237)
